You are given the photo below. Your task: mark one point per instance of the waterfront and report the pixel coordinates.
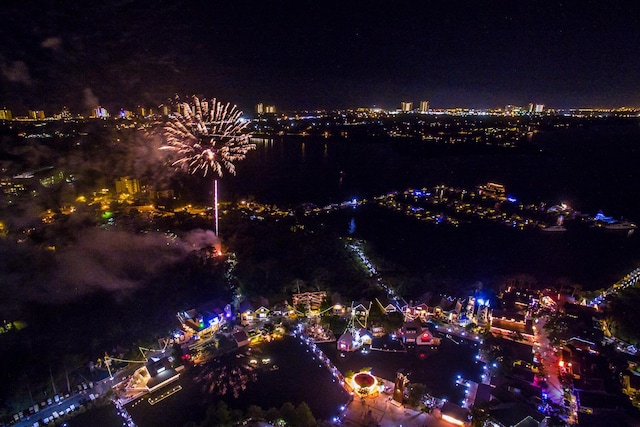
(434, 257)
(484, 254)
(294, 170)
(438, 370)
(591, 167)
(291, 375)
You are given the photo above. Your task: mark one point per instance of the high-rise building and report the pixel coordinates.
(270, 109)
(100, 113)
(539, 108)
(406, 106)
(141, 111)
(424, 106)
(6, 114)
(127, 185)
(260, 108)
(36, 114)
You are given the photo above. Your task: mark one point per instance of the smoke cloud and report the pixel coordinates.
(53, 43)
(72, 258)
(92, 260)
(90, 101)
(16, 72)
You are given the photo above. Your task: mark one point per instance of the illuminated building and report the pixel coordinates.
(10, 188)
(127, 185)
(513, 110)
(311, 300)
(511, 323)
(410, 332)
(493, 190)
(206, 323)
(424, 106)
(52, 178)
(153, 376)
(100, 113)
(353, 339)
(36, 114)
(270, 109)
(406, 106)
(260, 108)
(539, 108)
(6, 114)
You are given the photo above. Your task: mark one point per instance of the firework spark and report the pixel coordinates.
(207, 137)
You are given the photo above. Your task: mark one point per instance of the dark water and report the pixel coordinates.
(104, 416)
(592, 167)
(300, 378)
(458, 258)
(438, 370)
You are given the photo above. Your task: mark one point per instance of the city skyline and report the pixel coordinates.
(303, 56)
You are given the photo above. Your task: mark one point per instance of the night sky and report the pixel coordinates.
(329, 55)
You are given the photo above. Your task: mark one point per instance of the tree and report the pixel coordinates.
(255, 412)
(470, 326)
(272, 415)
(479, 417)
(236, 416)
(416, 392)
(288, 412)
(303, 416)
(217, 415)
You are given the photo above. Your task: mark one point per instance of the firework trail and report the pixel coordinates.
(207, 137)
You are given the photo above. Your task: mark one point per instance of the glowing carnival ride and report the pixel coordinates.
(364, 384)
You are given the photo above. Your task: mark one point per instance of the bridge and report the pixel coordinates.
(630, 279)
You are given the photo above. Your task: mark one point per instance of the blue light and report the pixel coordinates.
(512, 199)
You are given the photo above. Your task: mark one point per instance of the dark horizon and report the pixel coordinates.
(301, 56)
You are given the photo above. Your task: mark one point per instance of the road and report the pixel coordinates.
(75, 399)
(555, 391)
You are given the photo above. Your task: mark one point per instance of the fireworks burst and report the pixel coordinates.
(207, 137)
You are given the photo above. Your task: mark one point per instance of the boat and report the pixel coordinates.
(554, 228)
(624, 225)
